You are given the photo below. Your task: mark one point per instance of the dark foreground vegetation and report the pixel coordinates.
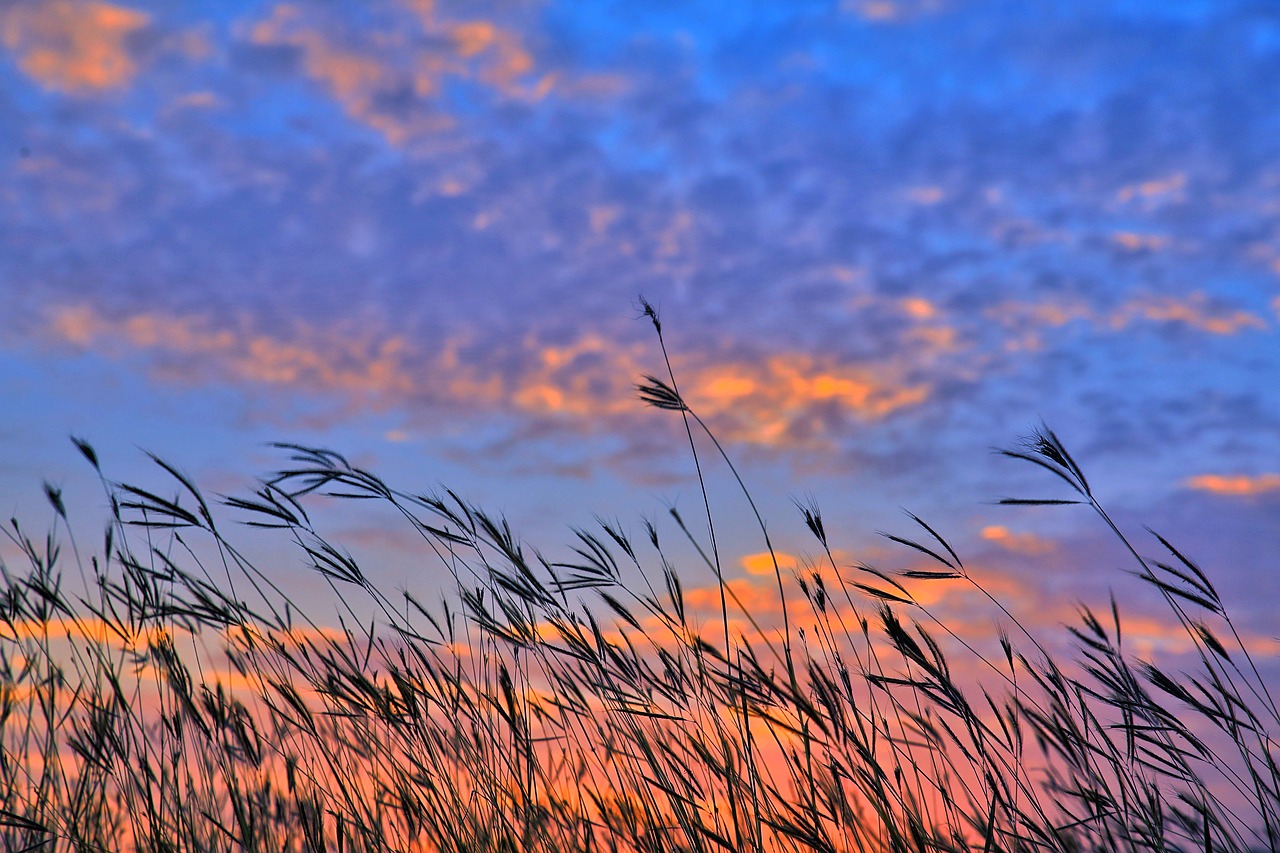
(176, 699)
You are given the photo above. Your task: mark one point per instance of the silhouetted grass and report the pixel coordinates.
(178, 700)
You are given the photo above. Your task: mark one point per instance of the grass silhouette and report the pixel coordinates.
(179, 700)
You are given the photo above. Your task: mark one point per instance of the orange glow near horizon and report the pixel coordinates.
(335, 717)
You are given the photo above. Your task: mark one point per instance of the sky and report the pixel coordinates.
(883, 236)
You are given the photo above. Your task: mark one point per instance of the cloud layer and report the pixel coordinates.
(883, 236)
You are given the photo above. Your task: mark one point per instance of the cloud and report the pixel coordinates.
(1154, 192)
(1195, 311)
(73, 46)
(91, 630)
(358, 78)
(891, 11)
(1140, 242)
(819, 600)
(780, 399)
(188, 348)
(1235, 485)
(505, 60)
(252, 636)
(758, 599)
(1019, 543)
(394, 82)
(797, 398)
(763, 563)
(1147, 637)
(919, 307)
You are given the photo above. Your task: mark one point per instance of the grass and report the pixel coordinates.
(178, 700)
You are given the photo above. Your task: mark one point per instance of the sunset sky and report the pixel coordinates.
(884, 237)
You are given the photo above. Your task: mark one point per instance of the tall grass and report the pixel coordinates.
(179, 700)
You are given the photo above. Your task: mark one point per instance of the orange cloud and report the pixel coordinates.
(1194, 311)
(505, 58)
(787, 399)
(1238, 485)
(891, 11)
(92, 630)
(919, 308)
(70, 45)
(1019, 543)
(361, 75)
(779, 401)
(1155, 191)
(196, 100)
(762, 563)
(925, 195)
(755, 598)
(1139, 242)
(353, 77)
(1022, 314)
(1148, 636)
(316, 359)
(296, 637)
(961, 598)
(602, 217)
